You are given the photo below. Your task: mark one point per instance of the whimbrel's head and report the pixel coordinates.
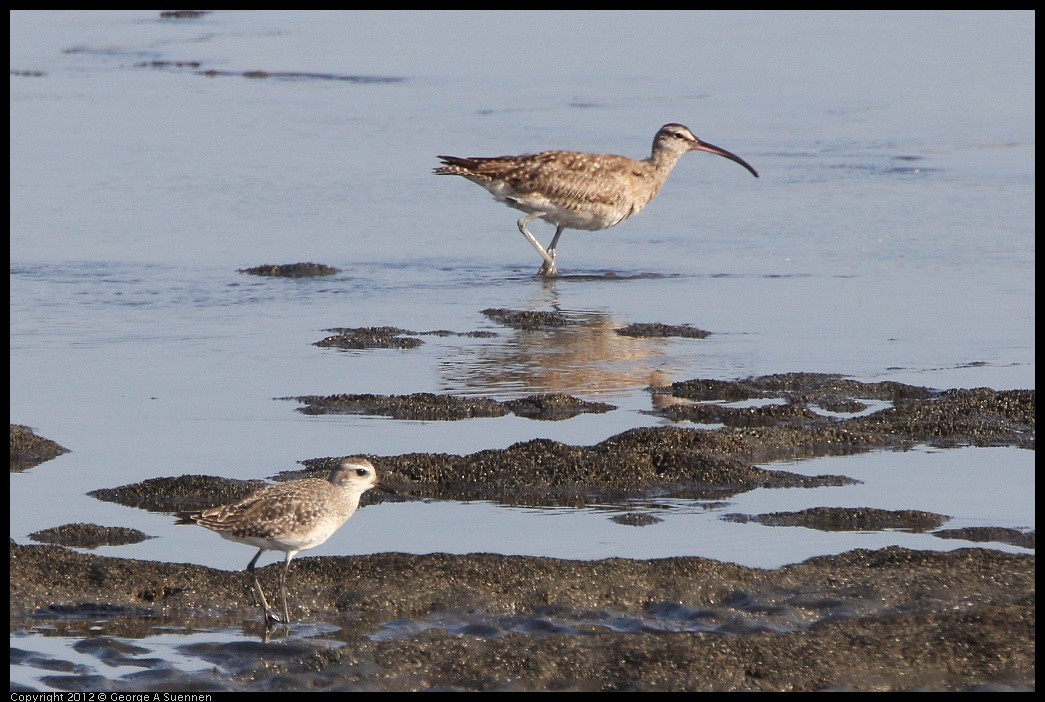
(677, 139)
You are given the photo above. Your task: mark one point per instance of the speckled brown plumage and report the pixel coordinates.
(290, 517)
(575, 190)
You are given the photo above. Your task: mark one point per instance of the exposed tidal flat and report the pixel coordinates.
(885, 619)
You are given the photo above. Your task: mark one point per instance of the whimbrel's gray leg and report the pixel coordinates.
(555, 240)
(551, 252)
(269, 615)
(549, 258)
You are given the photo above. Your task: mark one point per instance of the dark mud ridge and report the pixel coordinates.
(699, 464)
(717, 463)
(891, 619)
(28, 449)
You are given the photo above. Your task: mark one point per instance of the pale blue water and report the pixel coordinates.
(889, 237)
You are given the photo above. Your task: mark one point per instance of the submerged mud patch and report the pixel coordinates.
(528, 319)
(534, 320)
(301, 75)
(428, 406)
(639, 519)
(386, 337)
(185, 493)
(184, 14)
(847, 519)
(370, 338)
(292, 270)
(1015, 537)
(89, 536)
(555, 406)
(197, 68)
(657, 329)
(418, 406)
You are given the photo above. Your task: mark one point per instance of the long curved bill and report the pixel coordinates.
(699, 145)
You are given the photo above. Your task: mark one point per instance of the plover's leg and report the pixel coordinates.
(270, 616)
(283, 587)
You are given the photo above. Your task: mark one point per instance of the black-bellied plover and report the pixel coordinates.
(575, 190)
(290, 517)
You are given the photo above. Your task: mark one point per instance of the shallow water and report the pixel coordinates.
(889, 237)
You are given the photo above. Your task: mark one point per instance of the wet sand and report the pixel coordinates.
(890, 619)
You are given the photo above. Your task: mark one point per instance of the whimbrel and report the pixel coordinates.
(290, 517)
(576, 190)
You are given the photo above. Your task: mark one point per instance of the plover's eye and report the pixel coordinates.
(360, 472)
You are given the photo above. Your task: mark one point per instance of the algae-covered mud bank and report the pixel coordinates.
(892, 619)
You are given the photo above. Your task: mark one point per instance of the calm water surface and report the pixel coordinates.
(889, 237)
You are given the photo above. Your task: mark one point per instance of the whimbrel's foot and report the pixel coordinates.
(548, 268)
